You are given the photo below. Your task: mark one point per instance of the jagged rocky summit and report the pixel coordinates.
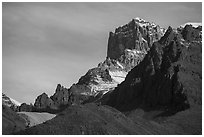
(169, 76)
(136, 36)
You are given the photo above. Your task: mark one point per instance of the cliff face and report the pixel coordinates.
(170, 74)
(132, 40)
(138, 34)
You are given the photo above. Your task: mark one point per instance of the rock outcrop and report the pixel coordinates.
(61, 96)
(138, 34)
(26, 108)
(170, 75)
(43, 102)
(59, 100)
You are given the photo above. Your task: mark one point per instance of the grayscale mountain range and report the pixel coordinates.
(150, 83)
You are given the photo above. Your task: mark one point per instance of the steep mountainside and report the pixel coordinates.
(166, 87)
(169, 76)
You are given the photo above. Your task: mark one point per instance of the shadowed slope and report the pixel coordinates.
(11, 122)
(169, 76)
(88, 119)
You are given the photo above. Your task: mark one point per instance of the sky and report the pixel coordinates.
(44, 44)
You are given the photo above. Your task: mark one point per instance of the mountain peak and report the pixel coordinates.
(139, 19)
(193, 24)
(138, 34)
(143, 23)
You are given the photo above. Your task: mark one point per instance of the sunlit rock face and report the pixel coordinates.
(138, 35)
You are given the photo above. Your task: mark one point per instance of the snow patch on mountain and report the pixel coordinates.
(102, 87)
(9, 101)
(15, 102)
(144, 23)
(118, 76)
(133, 53)
(121, 66)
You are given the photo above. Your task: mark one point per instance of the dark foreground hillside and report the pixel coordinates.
(15, 121)
(87, 119)
(91, 119)
(11, 122)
